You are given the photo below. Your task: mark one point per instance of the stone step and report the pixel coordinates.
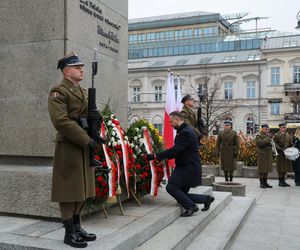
(136, 226)
(180, 233)
(221, 232)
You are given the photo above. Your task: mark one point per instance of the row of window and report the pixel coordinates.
(173, 34)
(275, 75)
(251, 90)
(194, 49)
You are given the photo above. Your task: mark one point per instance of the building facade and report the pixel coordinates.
(254, 74)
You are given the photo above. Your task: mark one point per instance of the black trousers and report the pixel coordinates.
(182, 196)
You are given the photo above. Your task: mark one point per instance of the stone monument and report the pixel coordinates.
(33, 36)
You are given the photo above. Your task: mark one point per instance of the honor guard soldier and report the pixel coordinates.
(188, 114)
(264, 155)
(228, 148)
(282, 141)
(73, 180)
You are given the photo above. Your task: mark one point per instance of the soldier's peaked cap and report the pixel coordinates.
(264, 125)
(227, 122)
(70, 59)
(186, 97)
(282, 125)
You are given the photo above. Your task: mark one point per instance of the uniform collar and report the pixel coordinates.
(71, 87)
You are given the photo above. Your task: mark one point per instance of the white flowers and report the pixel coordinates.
(119, 142)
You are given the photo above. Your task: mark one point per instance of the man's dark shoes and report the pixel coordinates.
(81, 232)
(71, 237)
(190, 211)
(210, 200)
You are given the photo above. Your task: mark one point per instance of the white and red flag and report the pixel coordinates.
(179, 97)
(168, 131)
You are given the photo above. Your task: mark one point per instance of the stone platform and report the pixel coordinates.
(155, 225)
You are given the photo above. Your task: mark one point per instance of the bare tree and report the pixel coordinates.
(212, 107)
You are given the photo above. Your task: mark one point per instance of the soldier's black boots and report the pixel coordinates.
(71, 237)
(230, 178)
(267, 184)
(226, 175)
(82, 233)
(262, 183)
(285, 183)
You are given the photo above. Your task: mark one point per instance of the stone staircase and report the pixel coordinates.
(154, 226)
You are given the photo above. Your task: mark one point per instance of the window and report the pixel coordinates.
(250, 89)
(228, 90)
(275, 75)
(296, 108)
(136, 94)
(229, 59)
(275, 108)
(159, 127)
(296, 74)
(250, 126)
(254, 57)
(158, 93)
(289, 44)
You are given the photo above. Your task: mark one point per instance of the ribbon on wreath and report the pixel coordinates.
(125, 157)
(149, 149)
(111, 167)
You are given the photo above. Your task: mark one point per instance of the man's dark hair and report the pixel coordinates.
(176, 114)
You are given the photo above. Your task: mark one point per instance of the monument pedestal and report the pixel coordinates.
(34, 36)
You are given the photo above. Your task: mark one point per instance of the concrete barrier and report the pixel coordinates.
(237, 189)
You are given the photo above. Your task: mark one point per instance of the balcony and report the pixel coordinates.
(292, 117)
(292, 89)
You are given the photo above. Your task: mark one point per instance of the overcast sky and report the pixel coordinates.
(281, 13)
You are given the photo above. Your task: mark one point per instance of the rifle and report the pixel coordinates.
(94, 118)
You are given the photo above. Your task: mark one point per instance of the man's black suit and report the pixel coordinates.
(187, 172)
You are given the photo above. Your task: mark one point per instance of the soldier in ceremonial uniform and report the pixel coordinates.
(228, 148)
(189, 116)
(73, 180)
(283, 140)
(264, 155)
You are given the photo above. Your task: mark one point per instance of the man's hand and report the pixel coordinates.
(100, 140)
(150, 157)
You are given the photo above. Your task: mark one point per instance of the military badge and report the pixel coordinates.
(54, 94)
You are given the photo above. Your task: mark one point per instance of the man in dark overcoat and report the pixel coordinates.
(228, 148)
(73, 180)
(283, 140)
(264, 155)
(187, 172)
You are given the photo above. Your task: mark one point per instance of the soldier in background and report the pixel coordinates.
(283, 140)
(188, 114)
(228, 148)
(264, 155)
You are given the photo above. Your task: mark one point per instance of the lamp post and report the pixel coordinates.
(201, 93)
(298, 23)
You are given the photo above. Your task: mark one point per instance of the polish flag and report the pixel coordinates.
(179, 97)
(168, 131)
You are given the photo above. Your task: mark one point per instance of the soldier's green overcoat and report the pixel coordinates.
(190, 118)
(264, 153)
(228, 149)
(72, 179)
(283, 141)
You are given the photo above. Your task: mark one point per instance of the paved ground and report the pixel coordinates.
(273, 224)
(275, 220)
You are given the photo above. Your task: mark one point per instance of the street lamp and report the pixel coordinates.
(201, 93)
(298, 18)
